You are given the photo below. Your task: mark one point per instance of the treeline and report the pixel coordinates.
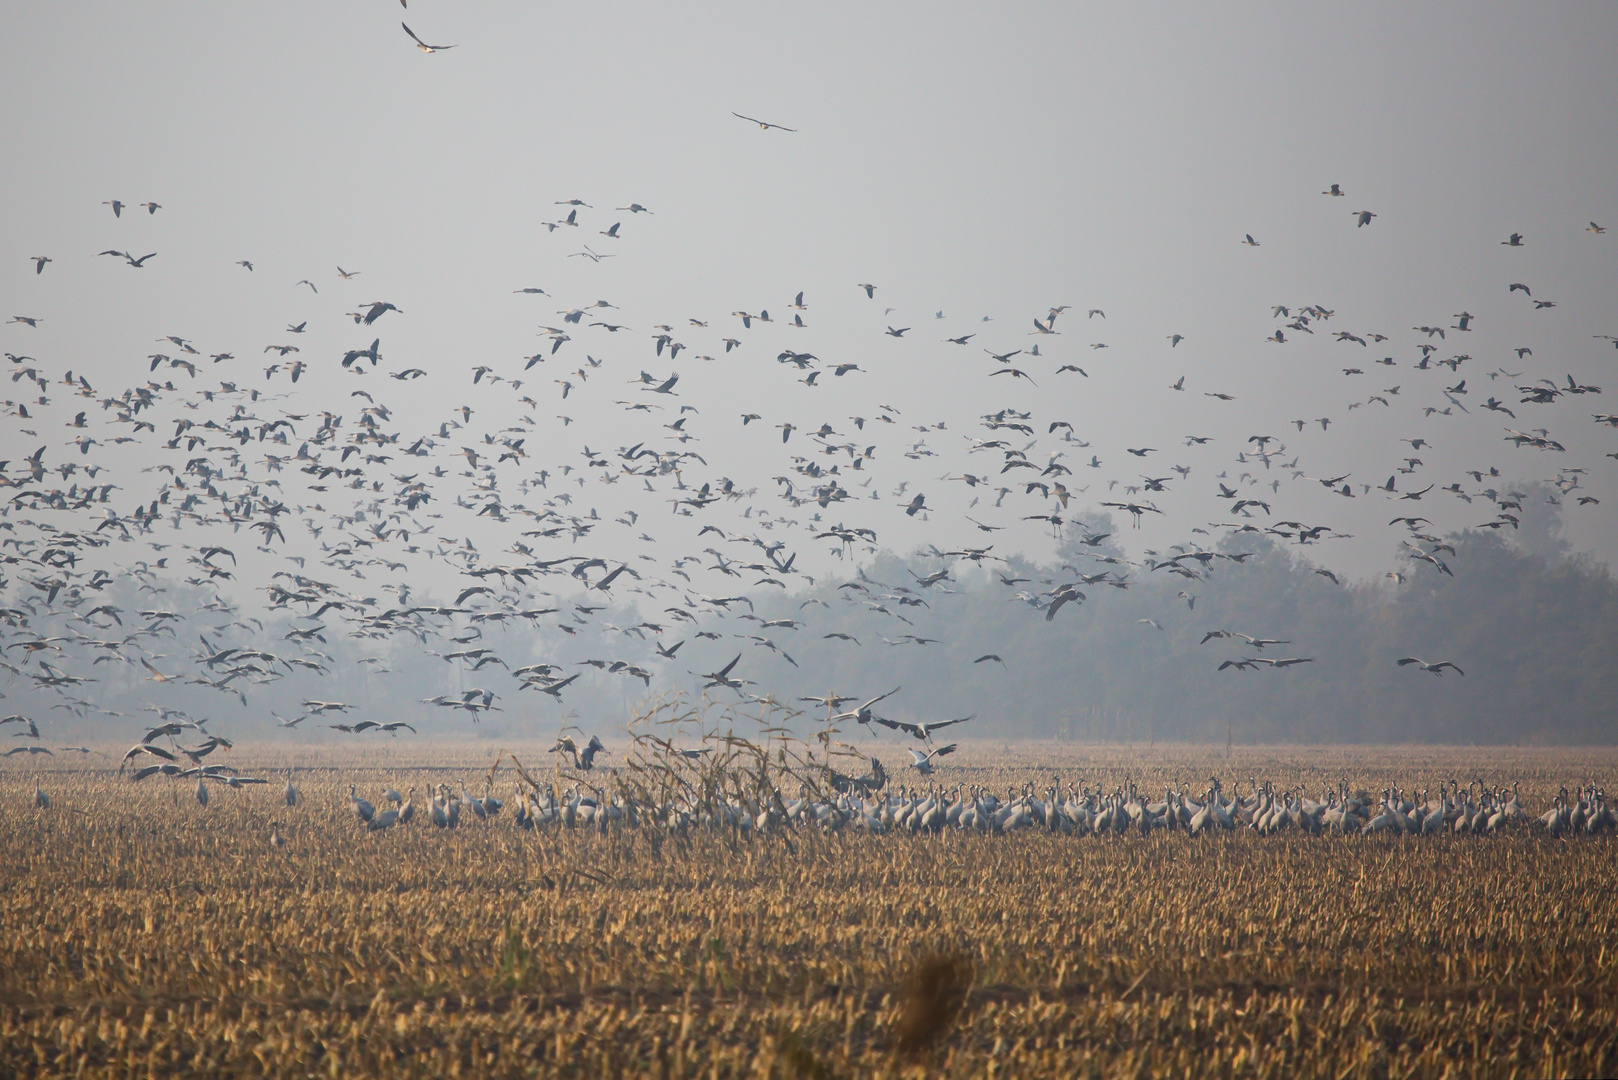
(1534, 627)
(1535, 634)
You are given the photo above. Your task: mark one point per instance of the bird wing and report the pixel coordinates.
(882, 697)
(418, 41)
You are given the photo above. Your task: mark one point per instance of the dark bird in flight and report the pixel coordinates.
(919, 731)
(422, 45)
(763, 125)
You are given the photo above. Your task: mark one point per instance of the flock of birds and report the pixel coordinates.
(868, 804)
(873, 804)
(1079, 810)
(218, 466)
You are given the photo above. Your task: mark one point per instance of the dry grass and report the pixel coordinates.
(142, 934)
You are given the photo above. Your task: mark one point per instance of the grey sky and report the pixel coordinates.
(966, 160)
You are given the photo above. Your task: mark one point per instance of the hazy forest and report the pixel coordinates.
(1530, 622)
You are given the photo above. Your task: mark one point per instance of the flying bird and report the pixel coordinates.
(1436, 669)
(922, 760)
(424, 47)
(763, 125)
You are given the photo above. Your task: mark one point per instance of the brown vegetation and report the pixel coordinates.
(143, 934)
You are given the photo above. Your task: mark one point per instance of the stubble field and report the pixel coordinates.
(143, 934)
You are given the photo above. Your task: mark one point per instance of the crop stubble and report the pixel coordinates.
(141, 934)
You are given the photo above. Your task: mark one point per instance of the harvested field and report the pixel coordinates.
(144, 934)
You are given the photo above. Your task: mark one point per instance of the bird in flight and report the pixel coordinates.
(763, 125)
(1436, 669)
(722, 676)
(923, 731)
(922, 762)
(422, 45)
(863, 714)
(130, 259)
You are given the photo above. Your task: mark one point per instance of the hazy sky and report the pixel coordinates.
(970, 161)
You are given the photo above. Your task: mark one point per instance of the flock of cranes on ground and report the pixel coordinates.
(1079, 810)
(871, 803)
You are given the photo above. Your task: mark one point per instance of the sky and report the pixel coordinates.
(978, 163)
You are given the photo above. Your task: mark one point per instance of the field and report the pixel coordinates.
(143, 934)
